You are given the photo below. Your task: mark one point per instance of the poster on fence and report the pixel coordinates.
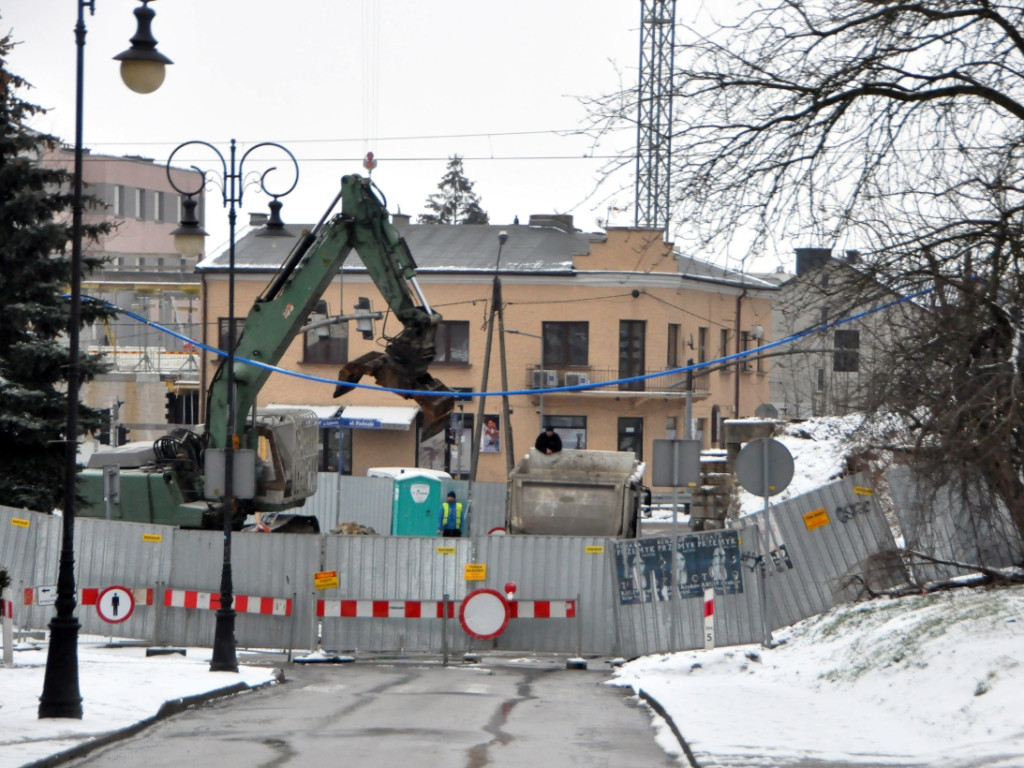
(644, 567)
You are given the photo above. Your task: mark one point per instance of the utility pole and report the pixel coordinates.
(496, 310)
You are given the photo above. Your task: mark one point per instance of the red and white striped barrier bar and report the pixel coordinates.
(384, 609)
(264, 606)
(432, 609)
(91, 595)
(542, 609)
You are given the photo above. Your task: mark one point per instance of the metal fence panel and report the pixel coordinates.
(488, 510)
(551, 568)
(650, 627)
(348, 499)
(29, 550)
(277, 566)
(826, 547)
(395, 569)
(932, 522)
(136, 556)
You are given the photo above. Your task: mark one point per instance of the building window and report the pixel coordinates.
(572, 430)
(846, 358)
(119, 200)
(631, 436)
(223, 337)
(158, 206)
(702, 345)
(565, 344)
(759, 357)
(744, 362)
(631, 353)
(451, 342)
(672, 359)
(819, 385)
(670, 427)
(328, 449)
(183, 406)
(723, 343)
(325, 343)
(140, 203)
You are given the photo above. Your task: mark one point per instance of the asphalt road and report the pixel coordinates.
(509, 714)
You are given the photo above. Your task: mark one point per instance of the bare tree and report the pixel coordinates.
(897, 127)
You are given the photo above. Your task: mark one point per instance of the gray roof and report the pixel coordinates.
(435, 248)
(536, 248)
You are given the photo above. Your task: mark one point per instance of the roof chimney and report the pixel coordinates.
(401, 219)
(810, 259)
(257, 219)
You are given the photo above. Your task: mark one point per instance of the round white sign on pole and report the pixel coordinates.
(115, 604)
(484, 614)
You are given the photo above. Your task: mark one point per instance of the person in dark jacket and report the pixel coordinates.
(548, 441)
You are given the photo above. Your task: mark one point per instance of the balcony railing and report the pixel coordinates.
(550, 378)
(147, 360)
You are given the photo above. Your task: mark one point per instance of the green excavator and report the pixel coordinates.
(177, 479)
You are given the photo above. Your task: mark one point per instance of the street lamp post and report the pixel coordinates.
(188, 240)
(142, 68)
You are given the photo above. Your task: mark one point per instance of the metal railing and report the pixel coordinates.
(147, 359)
(549, 378)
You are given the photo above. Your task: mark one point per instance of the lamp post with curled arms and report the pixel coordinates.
(188, 241)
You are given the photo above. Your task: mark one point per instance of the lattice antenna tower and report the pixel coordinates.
(654, 113)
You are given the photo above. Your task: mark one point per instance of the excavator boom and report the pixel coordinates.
(278, 315)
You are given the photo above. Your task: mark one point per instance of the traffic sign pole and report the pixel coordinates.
(764, 468)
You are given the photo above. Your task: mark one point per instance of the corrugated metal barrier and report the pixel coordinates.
(934, 521)
(382, 593)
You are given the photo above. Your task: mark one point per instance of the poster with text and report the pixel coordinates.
(644, 567)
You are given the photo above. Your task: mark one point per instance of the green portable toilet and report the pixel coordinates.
(416, 500)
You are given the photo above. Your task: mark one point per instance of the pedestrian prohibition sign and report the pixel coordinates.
(115, 604)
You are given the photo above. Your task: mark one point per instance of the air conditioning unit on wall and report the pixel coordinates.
(573, 379)
(542, 379)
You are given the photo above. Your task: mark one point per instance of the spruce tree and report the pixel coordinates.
(456, 203)
(35, 274)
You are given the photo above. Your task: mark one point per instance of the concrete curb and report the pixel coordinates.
(167, 709)
(657, 707)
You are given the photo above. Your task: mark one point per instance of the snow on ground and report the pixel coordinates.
(119, 686)
(934, 680)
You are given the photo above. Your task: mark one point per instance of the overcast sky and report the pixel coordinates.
(414, 82)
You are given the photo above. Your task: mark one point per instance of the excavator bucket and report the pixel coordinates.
(436, 406)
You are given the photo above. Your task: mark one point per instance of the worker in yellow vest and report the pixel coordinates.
(451, 517)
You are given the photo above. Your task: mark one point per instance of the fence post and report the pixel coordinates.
(444, 629)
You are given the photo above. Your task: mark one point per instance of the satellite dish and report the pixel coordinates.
(766, 411)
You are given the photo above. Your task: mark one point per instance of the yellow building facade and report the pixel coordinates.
(596, 335)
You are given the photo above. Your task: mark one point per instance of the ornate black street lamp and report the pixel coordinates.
(142, 69)
(188, 240)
